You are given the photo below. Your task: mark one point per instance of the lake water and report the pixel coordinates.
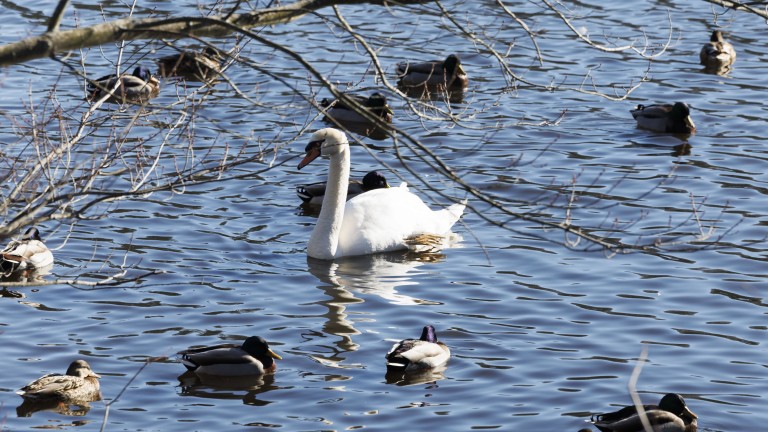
(545, 329)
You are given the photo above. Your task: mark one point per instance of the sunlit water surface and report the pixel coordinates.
(542, 333)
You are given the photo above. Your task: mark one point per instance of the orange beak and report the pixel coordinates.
(313, 152)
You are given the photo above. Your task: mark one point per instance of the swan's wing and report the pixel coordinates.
(380, 220)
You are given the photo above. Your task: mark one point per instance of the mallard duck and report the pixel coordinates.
(253, 357)
(80, 384)
(717, 54)
(418, 354)
(342, 113)
(313, 194)
(671, 415)
(381, 220)
(28, 253)
(437, 75)
(376, 104)
(665, 118)
(138, 87)
(197, 66)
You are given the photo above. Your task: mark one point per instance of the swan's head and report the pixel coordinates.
(326, 143)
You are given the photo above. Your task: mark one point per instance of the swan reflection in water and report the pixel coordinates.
(246, 388)
(377, 274)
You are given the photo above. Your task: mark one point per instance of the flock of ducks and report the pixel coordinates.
(356, 218)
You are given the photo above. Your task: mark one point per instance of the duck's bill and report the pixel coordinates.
(273, 354)
(689, 123)
(689, 413)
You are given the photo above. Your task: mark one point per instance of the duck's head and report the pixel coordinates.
(378, 100)
(428, 334)
(142, 73)
(258, 347)
(212, 53)
(452, 66)
(374, 180)
(31, 234)
(81, 368)
(717, 36)
(326, 143)
(675, 404)
(681, 114)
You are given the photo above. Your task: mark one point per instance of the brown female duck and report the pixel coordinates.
(80, 384)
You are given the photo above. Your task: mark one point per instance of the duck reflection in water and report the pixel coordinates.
(30, 275)
(29, 407)
(377, 274)
(402, 378)
(245, 388)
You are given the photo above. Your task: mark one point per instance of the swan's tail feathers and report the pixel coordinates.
(425, 243)
(450, 216)
(458, 209)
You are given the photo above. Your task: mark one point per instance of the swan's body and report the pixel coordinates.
(28, 253)
(313, 194)
(717, 55)
(138, 87)
(380, 220)
(418, 354)
(671, 118)
(253, 357)
(671, 415)
(80, 384)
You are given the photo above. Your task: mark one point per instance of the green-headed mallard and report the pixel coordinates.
(671, 415)
(665, 118)
(313, 194)
(80, 384)
(433, 76)
(418, 354)
(381, 220)
(197, 66)
(717, 54)
(253, 357)
(137, 88)
(28, 253)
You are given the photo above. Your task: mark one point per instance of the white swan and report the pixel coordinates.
(380, 220)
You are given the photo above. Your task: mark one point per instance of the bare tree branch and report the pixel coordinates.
(740, 6)
(52, 42)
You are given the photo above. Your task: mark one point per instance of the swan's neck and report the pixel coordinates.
(324, 241)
